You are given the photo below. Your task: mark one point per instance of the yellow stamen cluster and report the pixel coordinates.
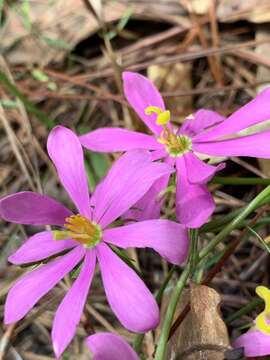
(261, 321)
(176, 145)
(80, 229)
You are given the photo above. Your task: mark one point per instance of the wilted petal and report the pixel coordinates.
(107, 346)
(194, 203)
(168, 238)
(66, 152)
(31, 208)
(254, 342)
(255, 145)
(38, 247)
(198, 172)
(116, 139)
(128, 180)
(30, 288)
(254, 112)
(141, 93)
(129, 298)
(201, 121)
(70, 310)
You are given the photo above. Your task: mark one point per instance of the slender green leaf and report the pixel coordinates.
(27, 103)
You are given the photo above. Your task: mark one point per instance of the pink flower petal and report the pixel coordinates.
(69, 312)
(148, 207)
(198, 172)
(31, 287)
(128, 180)
(201, 121)
(116, 139)
(66, 152)
(254, 342)
(38, 247)
(194, 203)
(129, 298)
(254, 112)
(141, 93)
(31, 208)
(255, 145)
(158, 154)
(168, 238)
(106, 346)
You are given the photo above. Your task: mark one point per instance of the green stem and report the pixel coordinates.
(253, 205)
(221, 220)
(162, 344)
(240, 181)
(244, 310)
(137, 344)
(194, 236)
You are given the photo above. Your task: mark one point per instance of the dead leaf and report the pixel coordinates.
(201, 7)
(56, 27)
(251, 10)
(202, 334)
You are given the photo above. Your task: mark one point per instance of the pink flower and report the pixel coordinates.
(256, 342)
(107, 346)
(205, 132)
(86, 237)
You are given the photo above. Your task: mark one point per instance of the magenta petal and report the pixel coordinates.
(107, 346)
(141, 93)
(128, 180)
(38, 247)
(254, 112)
(116, 139)
(198, 172)
(32, 208)
(30, 288)
(201, 121)
(168, 238)
(158, 154)
(129, 298)
(254, 145)
(254, 342)
(194, 203)
(70, 310)
(148, 207)
(66, 152)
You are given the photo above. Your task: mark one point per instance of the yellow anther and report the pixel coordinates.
(261, 321)
(80, 229)
(163, 117)
(60, 235)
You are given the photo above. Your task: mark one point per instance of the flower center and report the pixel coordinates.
(175, 145)
(81, 229)
(262, 320)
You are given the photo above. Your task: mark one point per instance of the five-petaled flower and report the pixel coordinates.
(205, 132)
(86, 236)
(256, 342)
